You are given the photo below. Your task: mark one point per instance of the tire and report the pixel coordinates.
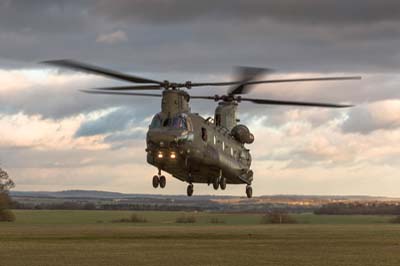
(216, 183)
(222, 183)
(156, 181)
(189, 190)
(163, 181)
(249, 192)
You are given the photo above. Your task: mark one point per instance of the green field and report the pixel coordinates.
(90, 238)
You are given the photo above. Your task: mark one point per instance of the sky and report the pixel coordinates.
(54, 137)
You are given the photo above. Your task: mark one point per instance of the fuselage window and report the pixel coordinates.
(204, 134)
(215, 140)
(223, 145)
(231, 152)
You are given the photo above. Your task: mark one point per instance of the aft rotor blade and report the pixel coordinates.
(121, 93)
(246, 74)
(273, 81)
(75, 65)
(125, 88)
(294, 103)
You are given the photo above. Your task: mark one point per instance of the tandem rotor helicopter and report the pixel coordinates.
(191, 148)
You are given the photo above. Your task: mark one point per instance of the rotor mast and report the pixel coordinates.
(174, 102)
(225, 114)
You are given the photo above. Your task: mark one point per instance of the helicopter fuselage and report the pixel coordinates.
(194, 149)
(200, 153)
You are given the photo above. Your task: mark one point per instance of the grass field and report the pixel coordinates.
(90, 238)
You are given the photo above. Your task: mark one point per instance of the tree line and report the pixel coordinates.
(362, 208)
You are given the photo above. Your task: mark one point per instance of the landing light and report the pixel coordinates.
(160, 155)
(173, 155)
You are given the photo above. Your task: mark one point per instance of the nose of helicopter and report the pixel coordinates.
(166, 138)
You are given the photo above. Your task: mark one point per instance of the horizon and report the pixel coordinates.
(203, 195)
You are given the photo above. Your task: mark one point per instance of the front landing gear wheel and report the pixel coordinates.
(216, 183)
(156, 181)
(189, 190)
(163, 181)
(249, 191)
(222, 183)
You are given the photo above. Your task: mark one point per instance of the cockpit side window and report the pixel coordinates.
(156, 122)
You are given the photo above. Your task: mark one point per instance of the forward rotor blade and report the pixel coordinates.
(294, 103)
(75, 65)
(125, 88)
(121, 93)
(203, 97)
(273, 81)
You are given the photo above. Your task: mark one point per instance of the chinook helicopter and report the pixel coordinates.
(191, 148)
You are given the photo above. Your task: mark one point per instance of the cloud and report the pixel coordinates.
(381, 115)
(53, 95)
(112, 38)
(121, 137)
(115, 120)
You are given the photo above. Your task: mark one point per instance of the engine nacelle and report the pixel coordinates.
(242, 134)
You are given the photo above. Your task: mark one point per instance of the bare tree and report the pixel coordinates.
(5, 182)
(5, 185)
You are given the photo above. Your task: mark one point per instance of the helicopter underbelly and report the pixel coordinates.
(201, 166)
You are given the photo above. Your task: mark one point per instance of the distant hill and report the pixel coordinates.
(105, 200)
(95, 194)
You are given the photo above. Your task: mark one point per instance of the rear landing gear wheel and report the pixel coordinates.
(216, 183)
(249, 191)
(156, 181)
(163, 181)
(189, 190)
(222, 183)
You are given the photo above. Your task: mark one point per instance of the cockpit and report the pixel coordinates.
(179, 121)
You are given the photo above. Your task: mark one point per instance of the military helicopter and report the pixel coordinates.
(191, 148)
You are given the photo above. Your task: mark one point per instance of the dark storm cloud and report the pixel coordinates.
(306, 11)
(21, 16)
(204, 36)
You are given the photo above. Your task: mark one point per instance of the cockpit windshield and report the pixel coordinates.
(178, 122)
